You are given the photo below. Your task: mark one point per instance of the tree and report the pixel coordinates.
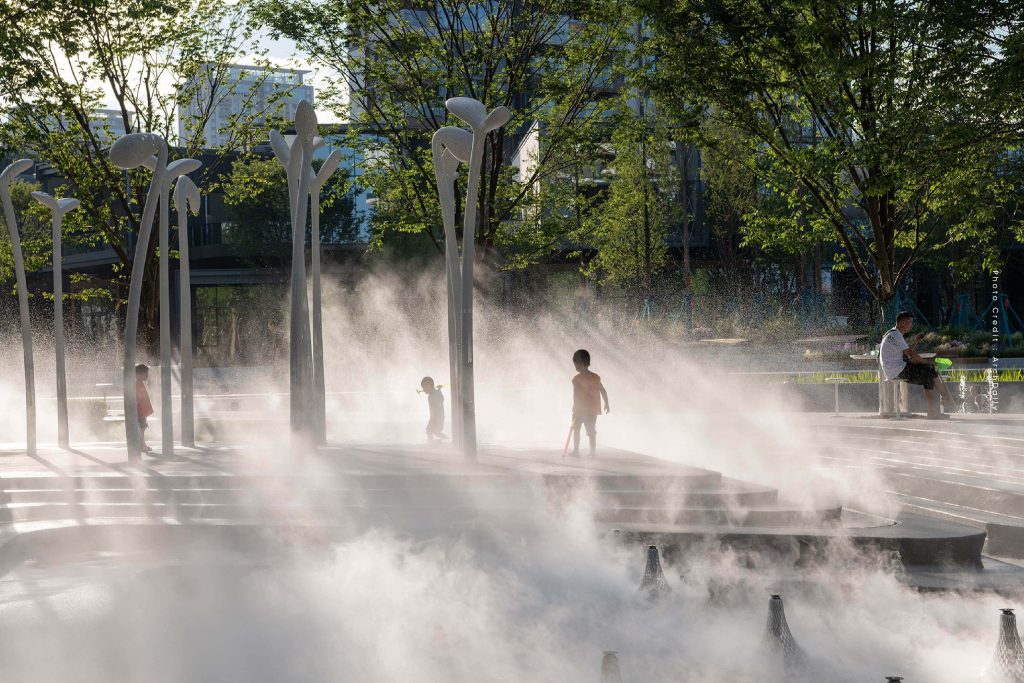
(552, 62)
(629, 228)
(33, 226)
(880, 123)
(258, 224)
(63, 62)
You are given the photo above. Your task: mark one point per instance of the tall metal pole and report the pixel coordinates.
(451, 146)
(127, 152)
(186, 195)
(481, 123)
(296, 158)
(468, 259)
(319, 385)
(166, 414)
(8, 174)
(63, 438)
(58, 207)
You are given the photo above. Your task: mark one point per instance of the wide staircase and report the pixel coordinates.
(967, 470)
(93, 500)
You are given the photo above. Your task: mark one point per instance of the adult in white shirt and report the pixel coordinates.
(898, 360)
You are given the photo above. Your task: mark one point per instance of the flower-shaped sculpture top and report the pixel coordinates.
(305, 121)
(57, 206)
(178, 167)
(16, 168)
(280, 146)
(135, 149)
(474, 113)
(186, 196)
(451, 146)
(329, 166)
(457, 143)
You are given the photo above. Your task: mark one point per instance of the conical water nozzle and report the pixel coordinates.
(778, 639)
(654, 582)
(1008, 662)
(610, 672)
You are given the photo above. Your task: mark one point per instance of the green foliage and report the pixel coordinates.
(883, 126)
(871, 376)
(61, 62)
(34, 231)
(550, 63)
(629, 228)
(258, 224)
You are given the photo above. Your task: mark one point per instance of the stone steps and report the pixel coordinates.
(980, 494)
(1004, 533)
(356, 489)
(732, 494)
(946, 473)
(776, 517)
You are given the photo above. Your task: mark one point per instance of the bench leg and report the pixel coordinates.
(899, 396)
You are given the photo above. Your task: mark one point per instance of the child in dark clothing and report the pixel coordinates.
(587, 392)
(435, 400)
(144, 407)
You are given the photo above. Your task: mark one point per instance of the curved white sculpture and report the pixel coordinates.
(59, 207)
(186, 198)
(481, 123)
(450, 147)
(295, 158)
(328, 168)
(127, 152)
(177, 169)
(8, 174)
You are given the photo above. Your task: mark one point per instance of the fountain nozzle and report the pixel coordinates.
(654, 582)
(610, 672)
(1008, 662)
(778, 639)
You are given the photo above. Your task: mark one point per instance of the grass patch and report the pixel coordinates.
(871, 376)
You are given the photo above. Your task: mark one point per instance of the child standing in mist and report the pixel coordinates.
(143, 405)
(587, 392)
(435, 400)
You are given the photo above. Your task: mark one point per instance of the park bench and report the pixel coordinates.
(891, 393)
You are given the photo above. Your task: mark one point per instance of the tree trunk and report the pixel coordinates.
(801, 269)
(819, 284)
(682, 160)
(149, 312)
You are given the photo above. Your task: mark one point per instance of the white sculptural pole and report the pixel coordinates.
(481, 123)
(164, 243)
(300, 350)
(319, 385)
(453, 278)
(450, 146)
(58, 208)
(302, 341)
(176, 169)
(127, 152)
(186, 197)
(8, 174)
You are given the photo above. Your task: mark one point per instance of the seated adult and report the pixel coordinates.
(899, 360)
